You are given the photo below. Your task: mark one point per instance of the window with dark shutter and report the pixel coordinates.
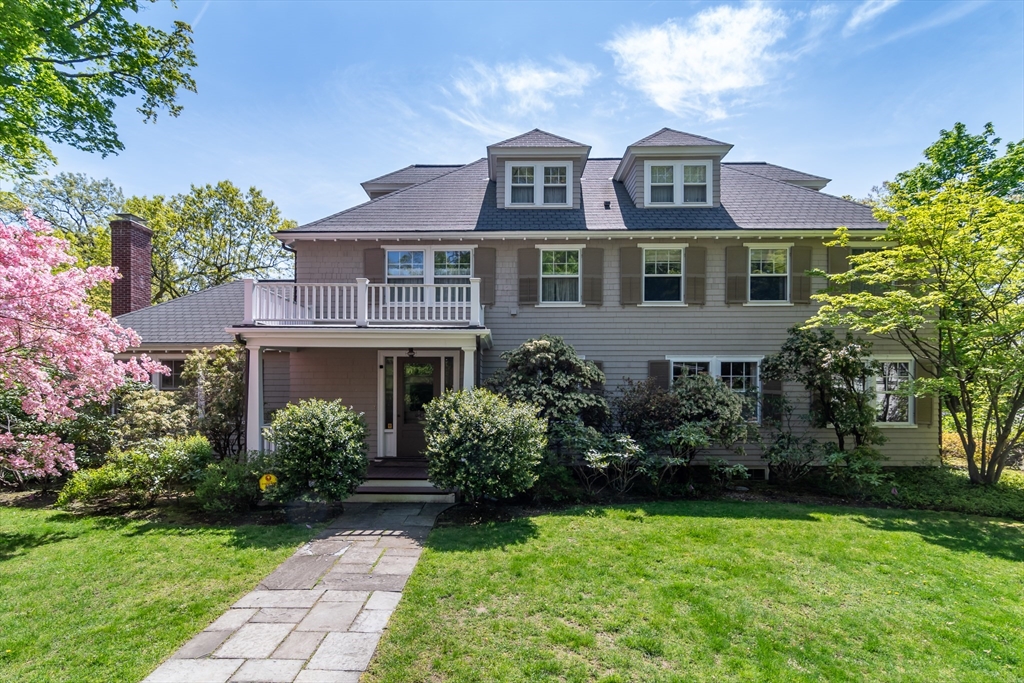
(771, 401)
(529, 275)
(839, 262)
(593, 276)
(485, 270)
(660, 371)
(631, 264)
(373, 265)
(801, 281)
(924, 406)
(695, 292)
(736, 272)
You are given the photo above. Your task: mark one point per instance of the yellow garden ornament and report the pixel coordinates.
(267, 480)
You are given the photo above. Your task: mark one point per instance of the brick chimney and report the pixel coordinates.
(131, 252)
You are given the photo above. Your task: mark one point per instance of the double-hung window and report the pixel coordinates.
(893, 399)
(677, 183)
(769, 274)
(663, 275)
(433, 266)
(741, 375)
(538, 184)
(856, 286)
(560, 276)
(172, 381)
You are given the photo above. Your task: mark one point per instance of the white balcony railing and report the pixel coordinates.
(362, 304)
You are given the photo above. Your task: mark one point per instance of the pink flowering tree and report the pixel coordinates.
(56, 353)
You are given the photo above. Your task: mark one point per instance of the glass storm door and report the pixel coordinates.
(419, 383)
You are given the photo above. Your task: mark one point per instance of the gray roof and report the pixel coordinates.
(465, 200)
(413, 174)
(198, 318)
(786, 175)
(667, 137)
(538, 138)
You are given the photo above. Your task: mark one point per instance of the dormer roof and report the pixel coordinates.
(667, 137)
(668, 143)
(536, 144)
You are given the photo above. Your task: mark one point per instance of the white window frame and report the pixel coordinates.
(428, 259)
(912, 400)
(788, 246)
(715, 369)
(678, 184)
(679, 246)
(157, 379)
(578, 248)
(538, 184)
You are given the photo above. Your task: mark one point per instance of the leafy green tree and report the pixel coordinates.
(214, 381)
(838, 373)
(79, 208)
(211, 235)
(957, 256)
(63, 67)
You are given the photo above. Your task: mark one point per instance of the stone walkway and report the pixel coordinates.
(317, 618)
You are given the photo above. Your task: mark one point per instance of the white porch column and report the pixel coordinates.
(254, 414)
(362, 301)
(469, 368)
(474, 295)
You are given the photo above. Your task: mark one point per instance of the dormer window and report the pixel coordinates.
(677, 183)
(538, 184)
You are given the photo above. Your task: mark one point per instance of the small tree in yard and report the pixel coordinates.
(319, 451)
(214, 381)
(56, 353)
(954, 244)
(481, 445)
(548, 374)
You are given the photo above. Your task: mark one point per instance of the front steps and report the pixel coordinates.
(399, 480)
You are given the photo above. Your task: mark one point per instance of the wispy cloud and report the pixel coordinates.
(865, 13)
(202, 12)
(938, 19)
(523, 87)
(722, 52)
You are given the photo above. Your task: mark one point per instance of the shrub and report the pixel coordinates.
(646, 412)
(547, 373)
(143, 413)
(722, 472)
(857, 471)
(233, 485)
(214, 381)
(144, 473)
(616, 462)
(481, 445)
(319, 451)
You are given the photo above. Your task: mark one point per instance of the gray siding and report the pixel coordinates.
(623, 338)
(276, 382)
(634, 181)
(346, 374)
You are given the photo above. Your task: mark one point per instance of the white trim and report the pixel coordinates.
(579, 275)
(560, 304)
(788, 276)
(428, 258)
(559, 247)
(663, 304)
(327, 336)
(678, 183)
(768, 245)
(681, 248)
(290, 236)
(382, 431)
(538, 183)
(662, 245)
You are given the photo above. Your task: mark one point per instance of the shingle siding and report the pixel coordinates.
(276, 382)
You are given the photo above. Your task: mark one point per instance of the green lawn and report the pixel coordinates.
(106, 599)
(714, 591)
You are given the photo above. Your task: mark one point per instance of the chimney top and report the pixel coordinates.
(131, 218)
(131, 252)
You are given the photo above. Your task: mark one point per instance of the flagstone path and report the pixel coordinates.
(317, 618)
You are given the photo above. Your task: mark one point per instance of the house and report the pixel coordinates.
(664, 261)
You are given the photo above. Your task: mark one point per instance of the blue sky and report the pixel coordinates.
(305, 100)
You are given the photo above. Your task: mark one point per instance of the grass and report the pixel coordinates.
(104, 598)
(702, 591)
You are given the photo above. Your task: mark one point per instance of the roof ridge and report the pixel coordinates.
(799, 187)
(666, 129)
(768, 163)
(537, 130)
(181, 298)
(387, 196)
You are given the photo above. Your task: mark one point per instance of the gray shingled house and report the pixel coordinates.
(668, 260)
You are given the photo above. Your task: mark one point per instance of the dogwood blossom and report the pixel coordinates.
(56, 352)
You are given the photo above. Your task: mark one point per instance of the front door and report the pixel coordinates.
(419, 382)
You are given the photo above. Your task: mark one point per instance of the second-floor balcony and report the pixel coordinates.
(362, 304)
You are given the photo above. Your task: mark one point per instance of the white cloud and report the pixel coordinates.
(722, 51)
(865, 13)
(525, 87)
(953, 13)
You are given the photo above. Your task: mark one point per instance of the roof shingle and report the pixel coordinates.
(198, 318)
(538, 138)
(667, 137)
